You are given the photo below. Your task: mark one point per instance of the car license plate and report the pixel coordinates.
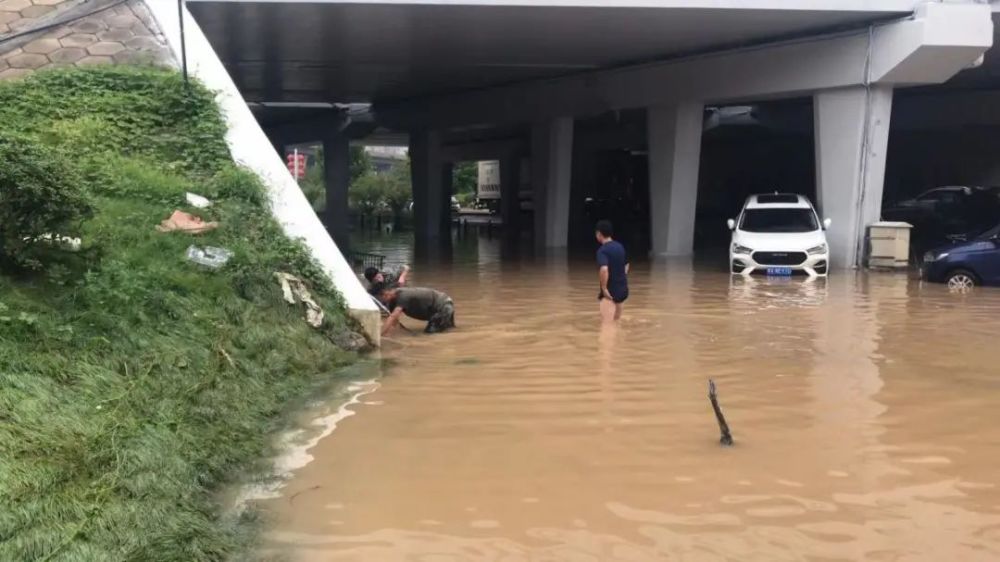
(779, 271)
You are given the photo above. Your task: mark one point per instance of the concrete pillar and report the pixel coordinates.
(429, 197)
(852, 135)
(444, 203)
(510, 185)
(674, 133)
(552, 165)
(539, 181)
(337, 177)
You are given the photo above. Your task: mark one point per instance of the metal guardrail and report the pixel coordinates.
(363, 260)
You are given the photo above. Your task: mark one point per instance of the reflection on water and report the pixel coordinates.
(318, 420)
(863, 408)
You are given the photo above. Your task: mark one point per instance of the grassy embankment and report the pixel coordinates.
(132, 382)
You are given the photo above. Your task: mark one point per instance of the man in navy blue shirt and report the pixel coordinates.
(613, 272)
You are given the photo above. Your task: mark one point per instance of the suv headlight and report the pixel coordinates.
(737, 249)
(821, 249)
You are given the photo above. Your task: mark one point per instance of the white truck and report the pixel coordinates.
(488, 185)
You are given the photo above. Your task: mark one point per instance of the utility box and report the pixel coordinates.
(889, 244)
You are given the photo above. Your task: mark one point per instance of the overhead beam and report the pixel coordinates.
(483, 150)
(937, 42)
(817, 5)
(317, 123)
(940, 41)
(308, 129)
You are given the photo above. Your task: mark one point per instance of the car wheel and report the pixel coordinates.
(961, 280)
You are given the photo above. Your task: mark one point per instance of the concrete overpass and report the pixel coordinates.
(511, 79)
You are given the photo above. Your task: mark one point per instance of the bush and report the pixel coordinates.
(313, 184)
(314, 188)
(367, 195)
(398, 190)
(465, 178)
(130, 111)
(39, 195)
(466, 199)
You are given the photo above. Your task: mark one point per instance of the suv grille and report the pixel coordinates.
(779, 258)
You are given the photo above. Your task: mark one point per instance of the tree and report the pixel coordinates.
(314, 184)
(398, 191)
(465, 178)
(367, 194)
(361, 163)
(314, 187)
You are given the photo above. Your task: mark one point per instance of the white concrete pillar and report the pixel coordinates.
(674, 133)
(552, 165)
(429, 200)
(852, 136)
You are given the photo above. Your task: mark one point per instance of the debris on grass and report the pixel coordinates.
(209, 256)
(186, 222)
(68, 243)
(294, 290)
(196, 200)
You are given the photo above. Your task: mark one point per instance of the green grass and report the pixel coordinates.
(134, 384)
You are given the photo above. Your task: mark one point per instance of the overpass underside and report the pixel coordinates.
(550, 88)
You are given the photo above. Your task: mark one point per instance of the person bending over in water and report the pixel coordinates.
(374, 276)
(434, 307)
(612, 273)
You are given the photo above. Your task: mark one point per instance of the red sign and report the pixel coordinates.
(297, 165)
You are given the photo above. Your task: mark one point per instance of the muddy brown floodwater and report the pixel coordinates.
(865, 409)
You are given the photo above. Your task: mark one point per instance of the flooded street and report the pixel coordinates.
(864, 409)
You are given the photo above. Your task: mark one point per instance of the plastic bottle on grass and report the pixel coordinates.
(209, 256)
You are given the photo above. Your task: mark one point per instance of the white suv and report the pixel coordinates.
(778, 234)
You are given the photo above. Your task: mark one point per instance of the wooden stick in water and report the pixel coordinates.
(726, 438)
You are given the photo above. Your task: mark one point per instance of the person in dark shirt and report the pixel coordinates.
(373, 275)
(613, 268)
(432, 306)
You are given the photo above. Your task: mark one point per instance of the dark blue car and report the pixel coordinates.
(966, 264)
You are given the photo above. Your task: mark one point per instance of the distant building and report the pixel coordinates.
(383, 158)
